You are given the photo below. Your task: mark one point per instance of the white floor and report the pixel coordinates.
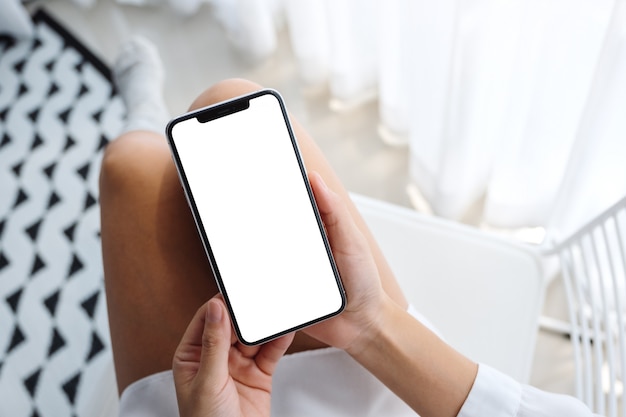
(196, 54)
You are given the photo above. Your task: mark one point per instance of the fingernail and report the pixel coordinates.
(321, 180)
(214, 312)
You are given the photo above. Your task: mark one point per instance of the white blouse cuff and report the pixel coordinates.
(493, 394)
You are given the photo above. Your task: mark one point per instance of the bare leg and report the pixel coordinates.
(156, 273)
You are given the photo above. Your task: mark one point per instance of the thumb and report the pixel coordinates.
(343, 234)
(215, 344)
(202, 355)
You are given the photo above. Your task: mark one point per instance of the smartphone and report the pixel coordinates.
(246, 184)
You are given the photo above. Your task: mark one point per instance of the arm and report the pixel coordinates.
(435, 380)
(430, 376)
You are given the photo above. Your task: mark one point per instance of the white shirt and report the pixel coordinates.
(495, 394)
(329, 383)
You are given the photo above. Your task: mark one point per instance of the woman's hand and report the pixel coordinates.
(217, 376)
(430, 376)
(357, 268)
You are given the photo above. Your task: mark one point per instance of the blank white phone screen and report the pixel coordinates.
(252, 201)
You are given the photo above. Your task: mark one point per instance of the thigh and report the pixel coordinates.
(156, 273)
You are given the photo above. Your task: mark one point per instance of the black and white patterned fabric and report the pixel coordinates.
(58, 109)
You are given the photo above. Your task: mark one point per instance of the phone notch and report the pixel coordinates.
(223, 110)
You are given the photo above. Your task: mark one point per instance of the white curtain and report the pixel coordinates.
(518, 104)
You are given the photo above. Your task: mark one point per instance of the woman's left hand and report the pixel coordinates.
(217, 376)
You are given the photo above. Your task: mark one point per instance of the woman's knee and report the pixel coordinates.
(133, 157)
(132, 161)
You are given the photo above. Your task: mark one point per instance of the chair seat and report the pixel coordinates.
(484, 293)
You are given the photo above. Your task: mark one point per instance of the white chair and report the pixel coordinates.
(483, 293)
(593, 268)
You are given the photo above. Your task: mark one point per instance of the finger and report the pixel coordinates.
(215, 343)
(342, 232)
(247, 351)
(233, 336)
(187, 356)
(271, 352)
(325, 198)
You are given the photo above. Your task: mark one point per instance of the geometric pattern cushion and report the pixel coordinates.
(58, 109)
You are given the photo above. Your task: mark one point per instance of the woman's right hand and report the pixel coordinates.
(357, 269)
(430, 376)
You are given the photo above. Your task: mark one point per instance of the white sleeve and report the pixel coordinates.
(495, 394)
